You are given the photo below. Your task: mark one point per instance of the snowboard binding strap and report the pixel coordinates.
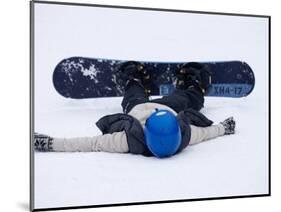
(193, 74)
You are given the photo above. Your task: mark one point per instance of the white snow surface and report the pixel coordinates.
(227, 166)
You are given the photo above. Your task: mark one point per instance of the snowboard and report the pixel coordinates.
(79, 78)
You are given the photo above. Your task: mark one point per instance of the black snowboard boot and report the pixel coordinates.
(136, 71)
(195, 75)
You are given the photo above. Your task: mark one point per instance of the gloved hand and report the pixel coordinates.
(229, 126)
(42, 143)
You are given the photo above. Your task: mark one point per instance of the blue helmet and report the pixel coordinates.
(162, 133)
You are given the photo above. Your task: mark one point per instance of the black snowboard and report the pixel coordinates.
(79, 78)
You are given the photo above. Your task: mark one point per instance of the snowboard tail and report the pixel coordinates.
(218, 90)
(80, 78)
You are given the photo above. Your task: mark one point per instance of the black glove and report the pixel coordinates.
(42, 143)
(229, 126)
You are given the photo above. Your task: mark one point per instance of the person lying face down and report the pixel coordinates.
(161, 127)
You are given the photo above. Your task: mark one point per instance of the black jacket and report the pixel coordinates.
(135, 134)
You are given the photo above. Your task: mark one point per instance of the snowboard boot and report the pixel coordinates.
(193, 75)
(135, 71)
(42, 143)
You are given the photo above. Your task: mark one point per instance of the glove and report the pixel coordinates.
(42, 143)
(229, 126)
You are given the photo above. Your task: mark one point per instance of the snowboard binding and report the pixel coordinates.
(136, 71)
(193, 74)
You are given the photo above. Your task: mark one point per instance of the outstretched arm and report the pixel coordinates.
(200, 134)
(115, 143)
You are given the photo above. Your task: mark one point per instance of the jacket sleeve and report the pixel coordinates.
(115, 143)
(196, 118)
(200, 134)
(132, 128)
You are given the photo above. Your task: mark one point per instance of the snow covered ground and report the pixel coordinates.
(227, 166)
